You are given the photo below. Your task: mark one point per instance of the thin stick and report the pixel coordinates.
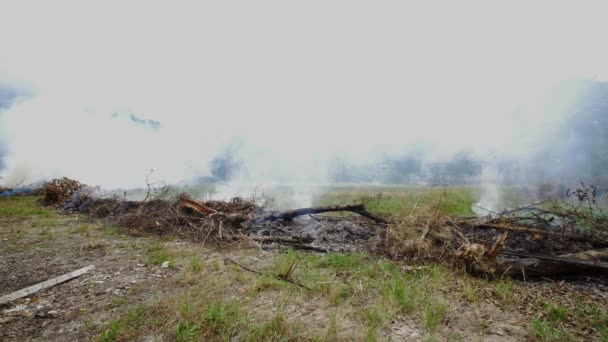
(230, 260)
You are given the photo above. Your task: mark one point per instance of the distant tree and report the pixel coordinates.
(461, 166)
(225, 167)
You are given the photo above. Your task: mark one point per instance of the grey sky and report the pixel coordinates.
(296, 82)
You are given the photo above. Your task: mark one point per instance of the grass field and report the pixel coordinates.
(350, 296)
(389, 200)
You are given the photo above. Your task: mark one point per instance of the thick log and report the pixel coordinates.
(289, 215)
(541, 232)
(595, 255)
(539, 265)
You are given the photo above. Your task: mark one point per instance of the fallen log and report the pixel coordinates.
(540, 265)
(574, 237)
(44, 285)
(289, 215)
(595, 255)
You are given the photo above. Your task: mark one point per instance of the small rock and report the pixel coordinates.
(165, 264)
(53, 312)
(141, 265)
(45, 323)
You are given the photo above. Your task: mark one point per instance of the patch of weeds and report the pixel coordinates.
(214, 265)
(415, 292)
(343, 261)
(551, 326)
(135, 318)
(556, 313)
(314, 277)
(373, 321)
(187, 331)
(469, 292)
(82, 229)
(111, 333)
(196, 264)
(239, 276)
(268, 282)
(158, 253)
(599, 320)
(545, 330)
(338, 293)
(109, 231)
(118, 302)
(93, 246)
(46, 234)
(23, 206)
(222, 318)
(46, 223)
(276, 329)
(192, 272)
(406, 297)
(504, 290)
(435, 312)
(332, 330)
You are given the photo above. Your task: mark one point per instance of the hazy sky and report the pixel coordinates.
(295, 83)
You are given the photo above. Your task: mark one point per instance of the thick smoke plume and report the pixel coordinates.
(279, 94)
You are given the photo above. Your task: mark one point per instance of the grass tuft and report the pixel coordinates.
(158, 253)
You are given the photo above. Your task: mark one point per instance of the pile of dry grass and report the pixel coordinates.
(419, 234)
(59, 190)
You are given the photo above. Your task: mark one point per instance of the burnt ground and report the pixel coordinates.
(130, 296)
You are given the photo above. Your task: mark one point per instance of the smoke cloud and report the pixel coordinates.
(119, 89)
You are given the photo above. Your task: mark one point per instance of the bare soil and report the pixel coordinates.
(34, 249)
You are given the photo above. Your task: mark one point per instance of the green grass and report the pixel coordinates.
(392, 200)
(23, 206)
(187, 331)
(549, 326)
(504, 290)
(47, 223)
(111, 230)
(158, 253)
(82, 229)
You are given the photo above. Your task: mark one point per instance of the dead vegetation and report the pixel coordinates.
(540, 239)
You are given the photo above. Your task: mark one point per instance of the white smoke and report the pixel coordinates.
(294, 85)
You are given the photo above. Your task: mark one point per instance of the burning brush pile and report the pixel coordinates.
(541, 239)
(538, 240)
(221, 222)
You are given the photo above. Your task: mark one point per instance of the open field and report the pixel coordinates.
(202, 296)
